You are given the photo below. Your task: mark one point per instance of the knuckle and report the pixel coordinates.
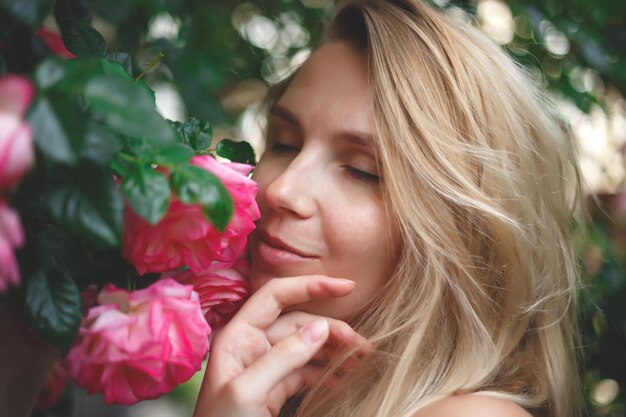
(235, 393)
(271, 286)
(287, 350)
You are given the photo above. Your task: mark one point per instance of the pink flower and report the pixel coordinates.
(185, 237)
(221, 291)
(11, 237)
(16, 139)
(54, 42)
(53, 388)
(139, 345)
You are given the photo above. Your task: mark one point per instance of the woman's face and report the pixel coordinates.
(320, 194)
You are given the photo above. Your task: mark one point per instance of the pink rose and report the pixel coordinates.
(11, 237)
(54, 42)
(53, 388)
(16, 138)
(139, 345)
(185, 237)
(221, 291)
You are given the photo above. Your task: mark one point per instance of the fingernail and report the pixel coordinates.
(314, 331)
(346, 281)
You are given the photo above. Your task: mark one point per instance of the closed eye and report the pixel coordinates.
(362, 175)
(281, 147)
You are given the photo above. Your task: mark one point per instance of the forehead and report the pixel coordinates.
(331, 91)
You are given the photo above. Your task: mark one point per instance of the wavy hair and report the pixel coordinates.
(483, 181)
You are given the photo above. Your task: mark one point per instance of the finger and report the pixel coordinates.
(264, 306)
(287, 356)
(341, 334)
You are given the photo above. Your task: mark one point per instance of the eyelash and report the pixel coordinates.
(279, 147)
(353, 172)
(362, 175)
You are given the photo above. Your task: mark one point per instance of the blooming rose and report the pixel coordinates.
(11, 237)
(221, 291)
(16, 139)
(139, 345)
(185, 237)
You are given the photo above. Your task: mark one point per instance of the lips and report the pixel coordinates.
(279, 244)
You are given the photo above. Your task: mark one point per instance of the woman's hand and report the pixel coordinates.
(261, 358)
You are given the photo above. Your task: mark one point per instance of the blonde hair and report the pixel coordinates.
(484, 183)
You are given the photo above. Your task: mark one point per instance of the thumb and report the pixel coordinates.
(287, 356)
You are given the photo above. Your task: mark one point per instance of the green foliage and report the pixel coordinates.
(100, 141)
(197, 135)
(236, 151)
(85, 200)
(54, 307)
(74, 20)
(147, 192)
(194, 185)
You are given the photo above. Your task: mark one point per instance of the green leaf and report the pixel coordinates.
(147, 191)
(236, 151)
(196, 134)
(118, 63)
(74, 20)
(58, 127)
(100, 144)
(31, 12)
(194, 185)
(175, 154)
(129, 109)
(87, 202)
(59, 251)
(118, 166)
(54, 307)
(69, 75)
(83, 41)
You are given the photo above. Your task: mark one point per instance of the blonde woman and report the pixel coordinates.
(413, 258)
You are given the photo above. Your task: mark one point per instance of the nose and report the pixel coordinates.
(292, 190)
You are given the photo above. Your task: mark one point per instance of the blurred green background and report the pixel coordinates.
(221, 55)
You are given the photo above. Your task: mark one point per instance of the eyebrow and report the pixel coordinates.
(356, 138)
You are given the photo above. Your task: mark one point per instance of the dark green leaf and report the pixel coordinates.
(236, 151)
(58, 129)
(31, 12)
(129, 109)
(175, 154)
(194, 185)
(83, 40)
(88, 203)
(147, 191)
(100, 144)
(54, 307)
(119, 167)
(59, 251)
(196, 134)
(74, 20)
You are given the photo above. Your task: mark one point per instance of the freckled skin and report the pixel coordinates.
(307, 196)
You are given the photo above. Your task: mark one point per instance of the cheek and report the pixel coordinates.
(361, 242)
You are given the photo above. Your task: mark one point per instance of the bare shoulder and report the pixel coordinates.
(473, 405)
